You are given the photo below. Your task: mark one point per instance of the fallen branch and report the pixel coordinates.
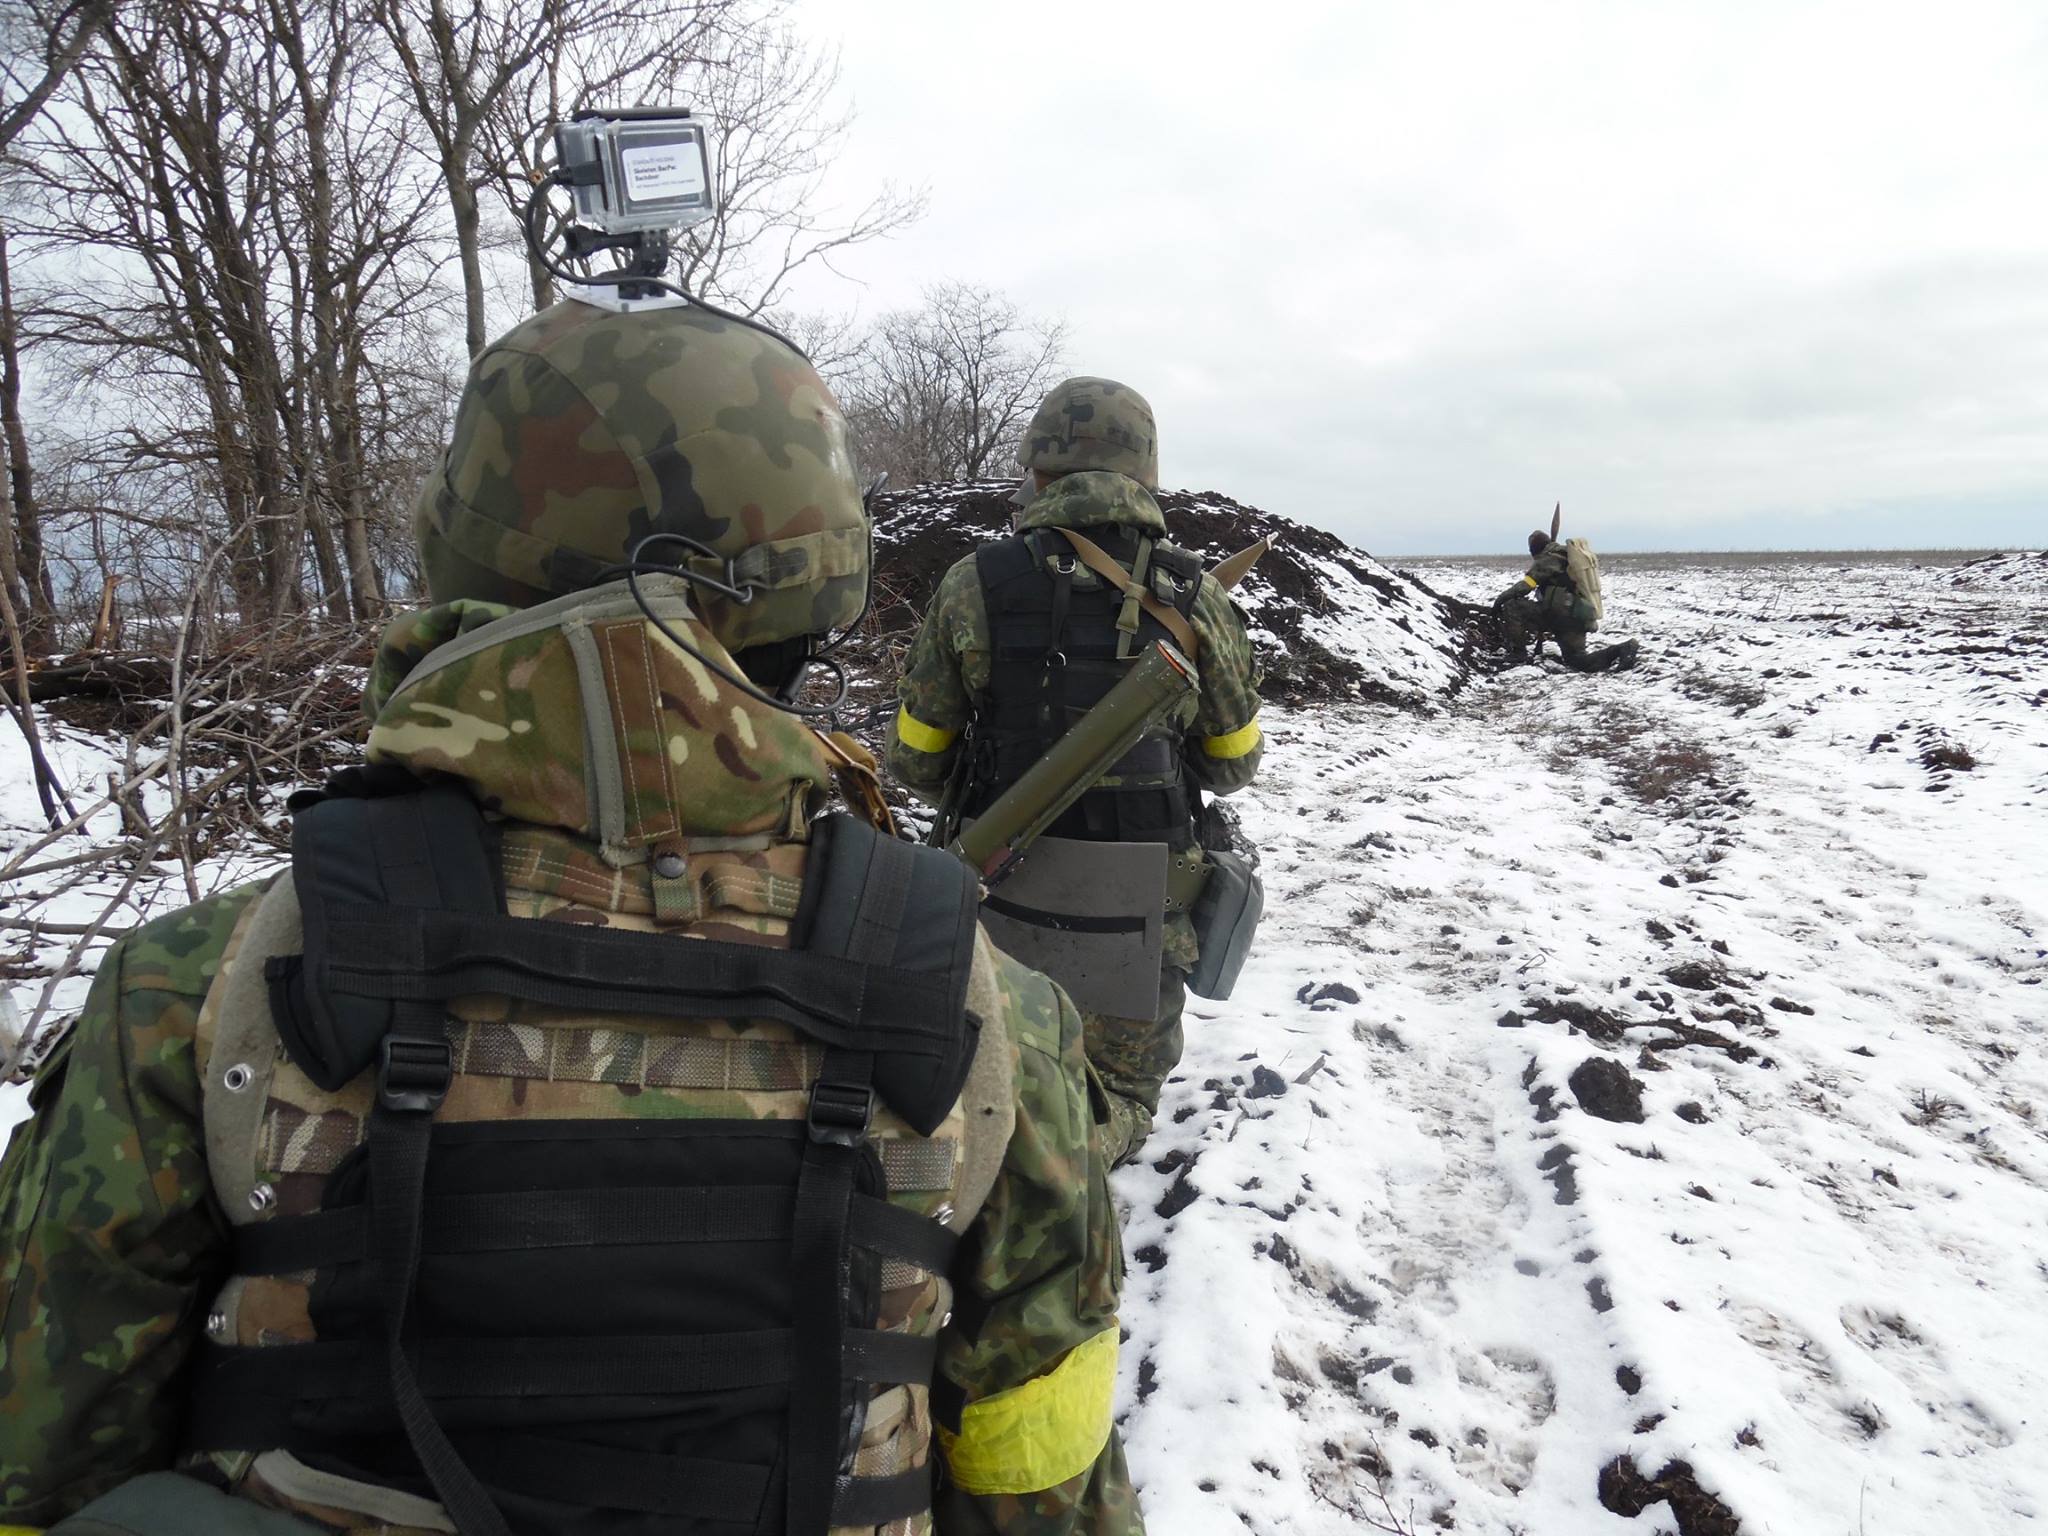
(94, 676)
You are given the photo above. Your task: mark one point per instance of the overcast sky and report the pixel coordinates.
(1740, 274)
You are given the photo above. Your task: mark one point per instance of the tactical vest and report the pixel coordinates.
(575, 1228)
(1056, 650)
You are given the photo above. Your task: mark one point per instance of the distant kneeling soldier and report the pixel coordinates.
(1022, 637)
(586, 1136)
(1559, 596)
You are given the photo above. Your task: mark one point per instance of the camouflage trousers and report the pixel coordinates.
(1527, 623)
(1133, 1058)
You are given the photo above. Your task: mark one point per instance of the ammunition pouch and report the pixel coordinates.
(1226, 918)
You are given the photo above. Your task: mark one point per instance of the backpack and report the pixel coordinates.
(1582, 567)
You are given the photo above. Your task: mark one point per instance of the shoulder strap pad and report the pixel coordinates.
(1002, 562)
(369, 841)
(907, 908)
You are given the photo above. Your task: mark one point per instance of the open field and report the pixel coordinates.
(1646, 1066)
(1635, 1117)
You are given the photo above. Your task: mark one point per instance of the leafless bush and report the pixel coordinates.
(205, 761)
(943, 392)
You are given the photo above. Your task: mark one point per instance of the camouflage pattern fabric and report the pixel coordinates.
(1540, 603)
(945, 686)
(1548, 578)
(116, 1243)
(1133, 1058)
(1087, 423)
(111, 1239)
(582, 431)
(945, 682)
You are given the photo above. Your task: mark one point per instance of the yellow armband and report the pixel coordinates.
(1232, 743)
(918, 736)
(1038, 1435)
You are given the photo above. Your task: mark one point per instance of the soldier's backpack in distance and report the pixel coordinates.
(1583, 567)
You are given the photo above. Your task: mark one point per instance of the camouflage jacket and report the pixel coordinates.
(115, 1236)
(945, 683)
(1548, 577)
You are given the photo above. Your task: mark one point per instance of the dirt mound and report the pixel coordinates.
(1332, 623)
(2016, 568)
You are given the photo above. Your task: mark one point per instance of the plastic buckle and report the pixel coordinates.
(840, 1113)
(413, 1075)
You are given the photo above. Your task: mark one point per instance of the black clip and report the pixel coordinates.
(841, 1113)
(413, 1075)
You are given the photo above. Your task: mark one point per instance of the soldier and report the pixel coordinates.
(1545, 602)
(1027, 632)
(586, 1135)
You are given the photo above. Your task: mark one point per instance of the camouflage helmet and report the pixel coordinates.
(1093, 424)
(582, 431)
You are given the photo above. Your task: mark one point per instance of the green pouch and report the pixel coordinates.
(1226, 918)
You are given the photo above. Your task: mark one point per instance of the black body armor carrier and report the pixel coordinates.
(625, 1326)
(1058, 649)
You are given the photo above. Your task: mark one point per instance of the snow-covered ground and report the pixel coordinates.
(1387, 1270)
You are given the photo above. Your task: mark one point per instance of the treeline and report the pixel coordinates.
(247, 248)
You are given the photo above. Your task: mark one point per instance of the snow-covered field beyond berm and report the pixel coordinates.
(1408, 1252)
(1386, 1265)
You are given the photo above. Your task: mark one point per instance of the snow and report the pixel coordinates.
(1386, 1272)
(1427, 1259)
(84, 763)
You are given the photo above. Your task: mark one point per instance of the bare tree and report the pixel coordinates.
(243, 243)
(458, 59)
(273, 229)
(770, 98)
(939, 392)
(61, 37)
(31, 75)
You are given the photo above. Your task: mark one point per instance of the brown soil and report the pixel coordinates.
(921, 532)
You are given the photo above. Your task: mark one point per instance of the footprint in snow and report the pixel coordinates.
(1902, 1350)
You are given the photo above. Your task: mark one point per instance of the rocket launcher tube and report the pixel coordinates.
(1160, 680)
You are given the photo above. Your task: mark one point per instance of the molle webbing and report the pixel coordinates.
(1057, 649)
(736, 1264)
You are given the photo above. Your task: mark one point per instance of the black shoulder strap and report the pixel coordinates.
(1003, 561)
(362, 843)
(909, 909)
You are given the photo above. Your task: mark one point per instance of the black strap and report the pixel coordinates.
(1052, 679)
(904, 1234)
(588, 1476)
(842, 1109)
(884, 897)
(866, 1501)
(434, 956)
(1062, 921)
(399, 1131)
(517, 1220)
(585, 1218)
(888, 1359)
(631, 1365)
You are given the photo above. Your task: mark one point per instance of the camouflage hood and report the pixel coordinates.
(1092, 498)
(580, 714)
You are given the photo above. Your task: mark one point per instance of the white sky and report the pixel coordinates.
(1754, 273)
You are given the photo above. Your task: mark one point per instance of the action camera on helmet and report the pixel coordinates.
(635, 171)
(635, 176)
